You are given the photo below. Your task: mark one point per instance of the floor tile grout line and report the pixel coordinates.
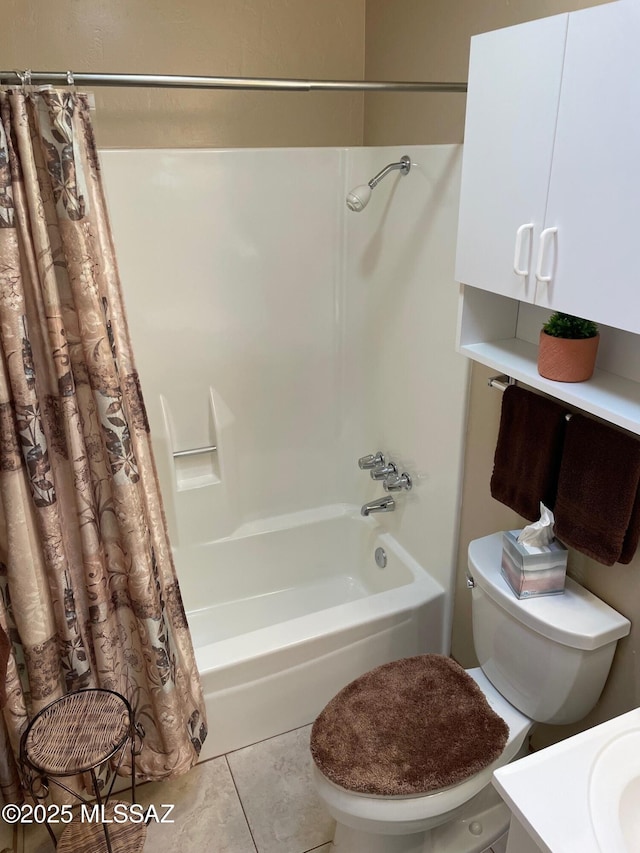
(253, 840)
(319, 846)
(263, 740)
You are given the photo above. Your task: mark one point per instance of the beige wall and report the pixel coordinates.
(269, 38)
(415, 39)
(429, 40)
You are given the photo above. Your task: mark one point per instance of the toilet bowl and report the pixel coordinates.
(542, 660)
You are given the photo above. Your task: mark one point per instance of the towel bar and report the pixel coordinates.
(195, 451)
(502, 382)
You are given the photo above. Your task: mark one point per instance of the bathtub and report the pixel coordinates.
(287, 610)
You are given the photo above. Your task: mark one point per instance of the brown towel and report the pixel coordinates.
(632, 536)
(596, 510)
(5, 650)
(527, 458)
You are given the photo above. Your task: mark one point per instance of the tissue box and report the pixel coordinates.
(533, 571)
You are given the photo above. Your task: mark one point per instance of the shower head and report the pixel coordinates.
(359, 197)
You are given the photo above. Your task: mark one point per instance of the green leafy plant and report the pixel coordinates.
(561, 325)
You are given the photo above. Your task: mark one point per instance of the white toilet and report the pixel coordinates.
(543, 659)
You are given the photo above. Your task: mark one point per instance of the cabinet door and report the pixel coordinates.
(594, 194)
(512, 104)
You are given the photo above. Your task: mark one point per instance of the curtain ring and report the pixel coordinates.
(27, 77)
(70, 80)
(21, 78)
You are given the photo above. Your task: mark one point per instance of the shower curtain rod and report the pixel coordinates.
(174, 81)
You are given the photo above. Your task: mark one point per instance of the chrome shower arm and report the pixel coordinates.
(404, 165)
(358, 198)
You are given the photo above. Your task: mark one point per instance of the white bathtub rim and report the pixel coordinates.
(391, 545)
(275, 523)
(273, 639)
(228, 652)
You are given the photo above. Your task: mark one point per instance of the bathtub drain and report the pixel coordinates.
(381, 557)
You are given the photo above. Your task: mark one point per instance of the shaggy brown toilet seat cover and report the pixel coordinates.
(407, 727)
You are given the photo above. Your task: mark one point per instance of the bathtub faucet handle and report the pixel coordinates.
(396, 484)
(384, 471)
(371, 461)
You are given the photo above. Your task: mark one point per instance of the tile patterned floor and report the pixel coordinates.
(274, 783)
(256, 800)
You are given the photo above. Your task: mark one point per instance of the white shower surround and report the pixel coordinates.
(296, 336)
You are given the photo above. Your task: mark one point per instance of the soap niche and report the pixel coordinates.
(195, 470)
(195, 452)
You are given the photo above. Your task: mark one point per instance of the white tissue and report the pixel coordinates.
(539, 533)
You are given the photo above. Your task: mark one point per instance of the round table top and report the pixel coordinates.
(77, 732)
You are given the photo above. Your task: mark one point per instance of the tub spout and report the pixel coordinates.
(385, 504)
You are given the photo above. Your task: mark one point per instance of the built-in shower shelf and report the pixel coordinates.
(196, 468)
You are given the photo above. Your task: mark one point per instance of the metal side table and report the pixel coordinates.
(77, 734)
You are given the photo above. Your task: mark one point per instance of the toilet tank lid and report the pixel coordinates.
(575, 618)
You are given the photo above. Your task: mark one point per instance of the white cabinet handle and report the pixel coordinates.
(518, 250)
(544, 238)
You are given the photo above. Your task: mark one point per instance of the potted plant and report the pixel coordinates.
(568, 348)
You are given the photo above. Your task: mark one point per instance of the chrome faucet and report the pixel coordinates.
(396, 484)
(382, 472)
(373, 460)
(385, 504)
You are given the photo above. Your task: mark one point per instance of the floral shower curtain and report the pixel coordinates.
(88, 590)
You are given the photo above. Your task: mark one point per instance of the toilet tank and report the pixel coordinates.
(550, 655)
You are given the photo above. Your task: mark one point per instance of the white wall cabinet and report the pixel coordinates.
(594, 192)
(550, 197)
(512, 108)
(552, 152)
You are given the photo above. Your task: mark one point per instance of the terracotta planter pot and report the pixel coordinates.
(567, 359)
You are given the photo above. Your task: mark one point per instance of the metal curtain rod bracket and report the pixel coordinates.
(175, 81)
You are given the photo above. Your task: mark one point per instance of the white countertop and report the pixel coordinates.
(548, 791)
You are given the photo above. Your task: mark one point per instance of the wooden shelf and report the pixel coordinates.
(606, 395)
